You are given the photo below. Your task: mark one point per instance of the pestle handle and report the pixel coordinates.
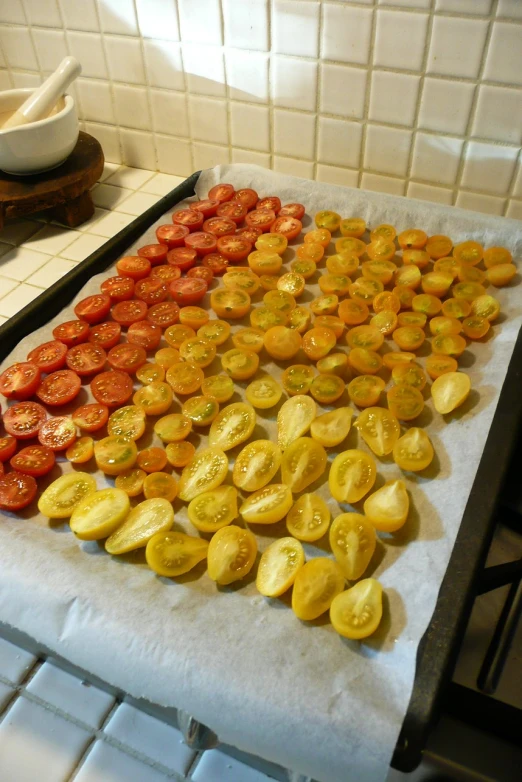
(42, 100)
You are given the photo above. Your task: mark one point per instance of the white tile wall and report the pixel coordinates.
(404, 89)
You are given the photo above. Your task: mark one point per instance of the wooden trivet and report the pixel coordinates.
(65, 189)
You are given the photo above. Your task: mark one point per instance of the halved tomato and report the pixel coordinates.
(91, 417)
(182, 257)
(201, 273)
(219, 226)
(234, 248)
(86, 359)
(133, 266)
(112, 388)
(59, 388)
(164, 314)
(127, 312)
(288, 226)
(155, 253)
(187, 290)
(292, 210)
(118, 288)
(190, 218)
(35, 460)
(261, 218)
(246, 196)
(145, 334)
(57, 433)
(269, 202)
(216, 262)
(221, 193)
(7, 447)
(172, 235)
(105, 335)
(93, 309)
(20, 381)
(126, 357)
(151, 290)
(16, 491)
(203, 242)
(207, 207)
(24, 419)
(72, 332)
(49, 357)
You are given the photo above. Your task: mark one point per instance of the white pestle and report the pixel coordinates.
(42, 101)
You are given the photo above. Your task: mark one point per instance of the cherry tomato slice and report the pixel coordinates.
(233, 210)
(24, 419)
(219, 226)
(91, 417)
(151, 290)
(49, 357)
(152, 459)
(73, 332)
(112, 388)
(247, 197)
(59, 388)
(127, 312)
(201, 273)
(203, 242)
(288, 226)
(187, 290)
(172, 235)
(145, 334)
(35, 460)
(17, 491)
(216, 262)
(190, 218)
(93, 309)
(221, 193)
(126, 357)
(155, 253)
(270, 202)
(292, 210)
(166, 273)
(262, 219)
(57, 433)
(20, 381)
(133, 266)
(118, 288)
(86, 359)
(7, 447)
(164, 314)
(207, 207)
(234, 248)
(105, 335)
(182, 257)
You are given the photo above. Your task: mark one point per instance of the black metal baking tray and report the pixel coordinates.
(439, 646)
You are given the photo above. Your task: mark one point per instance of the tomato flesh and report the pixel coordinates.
(23, 419)
(93, 309)
(133, 266)
(118, 288)
(187, 290)
(17, 491)
(20, 380)
(86, 359)
(105, 335)
(154, 253)
(49, 357)
(112, 388)
(57, 433)
(72, 332)
(127, 357)
(35, 460)
(127, 312)
(7, 447)
(91, 417)
(59, 388)
(172, 235)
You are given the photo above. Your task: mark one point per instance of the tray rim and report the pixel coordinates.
(438, 647)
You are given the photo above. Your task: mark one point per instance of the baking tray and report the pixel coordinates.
(439, 646)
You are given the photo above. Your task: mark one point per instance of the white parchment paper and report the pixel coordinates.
(294, 693)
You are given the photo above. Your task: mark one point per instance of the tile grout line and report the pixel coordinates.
(473, 108)
(152, 130)
(367, 97)
(319, 89)
(420, 91)
(190, 138)
(109, 79)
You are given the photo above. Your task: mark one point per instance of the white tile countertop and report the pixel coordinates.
(54, 727)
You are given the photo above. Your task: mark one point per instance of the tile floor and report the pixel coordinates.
(75, 731)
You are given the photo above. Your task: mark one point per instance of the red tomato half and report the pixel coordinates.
(261, 218)
(112, 388)
(58, 388)
(17, 491)
(221, 193)
(235, 248)
(126, 358)
(172, 235)
(182, 257)
(127, 312)
(105, 335)
(133, 266)
(202, 242)
(233, 210)
(292, 210)
(187, 290)
(7, 447)
(247, 197)
(118, 288)
(23, 419)
(146, 335)
(73, 332)
(93, 309)
(216, 262)
(49, 357)
(220, 226)
(207, 207)
(270, 202)
(164, 314)
(201, 273)
(91, 417)
(155, 253)
(249, 233)
(35, 460)
(86, 359)
(190, 218)
(288, 226)
(57, 433)
(166, 273)
(151, 290)
(20, 381)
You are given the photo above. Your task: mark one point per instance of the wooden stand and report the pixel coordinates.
(64, 190)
